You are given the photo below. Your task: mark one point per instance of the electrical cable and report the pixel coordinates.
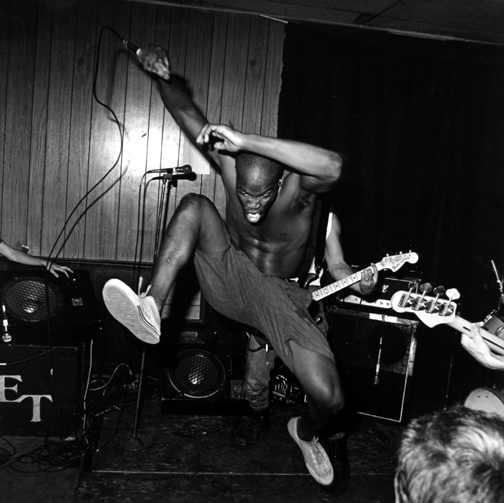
(121, 135)
(63, 454)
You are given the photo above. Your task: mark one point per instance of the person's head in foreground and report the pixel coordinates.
(452, 456)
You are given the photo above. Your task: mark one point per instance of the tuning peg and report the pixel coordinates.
(438, 291)
(426, 288)
(453, 294)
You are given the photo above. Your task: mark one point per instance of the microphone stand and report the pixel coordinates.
(168, 180)
(499, 282)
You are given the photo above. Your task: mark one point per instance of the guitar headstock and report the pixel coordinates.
(394, 262)
(430, 310)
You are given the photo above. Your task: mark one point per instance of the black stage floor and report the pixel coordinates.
(187, 458)
(191, 458)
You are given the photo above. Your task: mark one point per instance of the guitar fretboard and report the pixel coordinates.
(393, 263)
(335, 287)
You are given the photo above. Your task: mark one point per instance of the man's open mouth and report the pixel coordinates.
(253, 216)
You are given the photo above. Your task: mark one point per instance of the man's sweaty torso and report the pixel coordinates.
(277, 245)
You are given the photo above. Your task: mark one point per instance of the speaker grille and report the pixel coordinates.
(375, 356)
(32, 299)
(197, 374)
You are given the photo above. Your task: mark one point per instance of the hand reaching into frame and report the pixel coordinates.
(479, 349)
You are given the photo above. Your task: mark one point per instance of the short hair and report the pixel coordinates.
(271, 169)
(452, 456)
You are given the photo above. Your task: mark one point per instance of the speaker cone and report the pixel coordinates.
(197, 374)
(32, 299)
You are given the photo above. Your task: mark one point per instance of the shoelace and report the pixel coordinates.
(142, 296)
(316, 452)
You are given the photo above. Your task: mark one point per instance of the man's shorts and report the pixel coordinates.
(278, 308)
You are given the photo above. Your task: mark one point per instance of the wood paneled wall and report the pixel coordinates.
(71, 185)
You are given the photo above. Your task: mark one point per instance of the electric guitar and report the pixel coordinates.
(436, 311)
(393, 263)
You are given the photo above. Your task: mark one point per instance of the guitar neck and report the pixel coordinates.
(495, 343)
(342, 283)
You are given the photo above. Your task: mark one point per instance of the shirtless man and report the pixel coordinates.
(243, 264)
(261, 358)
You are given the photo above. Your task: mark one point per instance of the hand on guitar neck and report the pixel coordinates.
(392, 263)
(476, 346)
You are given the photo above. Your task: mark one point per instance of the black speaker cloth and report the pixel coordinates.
(32, 299)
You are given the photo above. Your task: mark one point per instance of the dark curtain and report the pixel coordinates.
(420, 126)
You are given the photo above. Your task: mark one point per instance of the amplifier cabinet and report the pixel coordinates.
(381, 299)
(375, 355)
(38, 390)
(44, 310)
(204, 374)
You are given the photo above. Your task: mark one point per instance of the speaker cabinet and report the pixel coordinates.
(39, 387)
(375, 355)
(43, 310)
(204, 376)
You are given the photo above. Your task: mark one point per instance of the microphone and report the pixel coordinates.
(177, 171)
(161, 70)
(6, 337)
(131, 46)
(376, 379)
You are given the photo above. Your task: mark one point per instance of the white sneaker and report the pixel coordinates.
(138, 313)
(316, 459)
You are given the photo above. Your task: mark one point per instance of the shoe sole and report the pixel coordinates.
(123, 305)
(292, 428)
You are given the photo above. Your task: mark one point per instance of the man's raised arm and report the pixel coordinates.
(174, 93)
(320, 168)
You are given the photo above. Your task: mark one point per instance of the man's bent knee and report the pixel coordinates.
(329, 401)
(326, 395)
(197, 213)
(319, 377)
(337, 403)
(194, 201)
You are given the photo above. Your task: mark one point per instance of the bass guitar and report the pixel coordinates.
(434, 311)
(392, 262)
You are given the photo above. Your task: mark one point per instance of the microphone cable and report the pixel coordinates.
(52, 258)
